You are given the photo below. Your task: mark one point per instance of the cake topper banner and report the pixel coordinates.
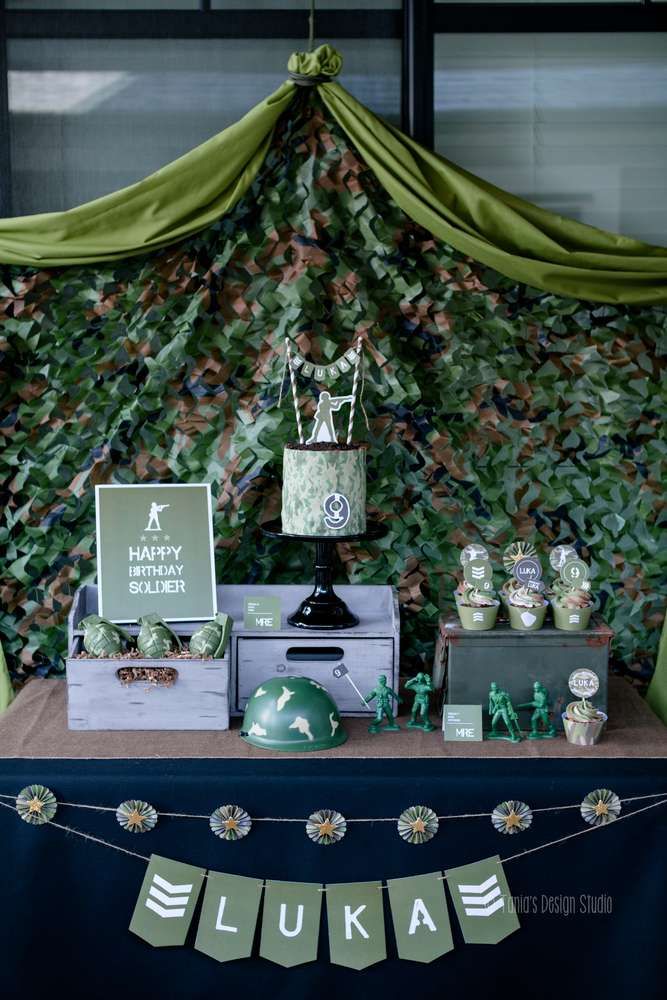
(320, 373)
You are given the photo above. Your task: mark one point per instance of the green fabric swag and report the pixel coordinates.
(516, 238)
(657, 692)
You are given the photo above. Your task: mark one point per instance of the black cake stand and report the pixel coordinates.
(324, 609)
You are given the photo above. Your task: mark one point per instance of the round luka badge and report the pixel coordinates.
(574, 573)
(528, 571)
(478, 573)
(583, 683)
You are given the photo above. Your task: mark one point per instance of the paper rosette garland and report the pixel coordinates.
(516, 551)
(600, 807)
(418, 824)
(230, 822)
(326, 826)
(512, 816)
(136, 816)
(36, 804)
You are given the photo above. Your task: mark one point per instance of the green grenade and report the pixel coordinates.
(155, 638)
(101, 637)
(211, 638)
(292, 713)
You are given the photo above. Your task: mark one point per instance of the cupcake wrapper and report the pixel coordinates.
(571, 619)
(527, 619)
(477, 619)
(583, 734)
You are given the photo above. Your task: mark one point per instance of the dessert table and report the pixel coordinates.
(580, 903)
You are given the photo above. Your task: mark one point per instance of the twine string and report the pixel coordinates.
(262, 882)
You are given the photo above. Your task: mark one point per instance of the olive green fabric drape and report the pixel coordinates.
(516, 238)
(179, 199)
(657, 692)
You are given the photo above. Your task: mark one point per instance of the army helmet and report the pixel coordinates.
(292, 713)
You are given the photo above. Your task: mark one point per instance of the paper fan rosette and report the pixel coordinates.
(326, 826)
(36, 804)
(511, 816)
(600, 807)
(230, 822)
(136, 816)
(516, 551)
(418, 824)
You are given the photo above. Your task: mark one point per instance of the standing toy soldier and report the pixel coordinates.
(154, 516)
(541, 714)
(500, 707)
(324, 429)
(423, 689)
(383, 695)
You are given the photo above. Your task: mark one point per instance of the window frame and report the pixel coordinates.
(416, 25)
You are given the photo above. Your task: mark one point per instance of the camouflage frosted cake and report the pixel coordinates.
(324, 489)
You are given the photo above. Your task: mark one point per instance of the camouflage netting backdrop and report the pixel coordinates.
(497, 411)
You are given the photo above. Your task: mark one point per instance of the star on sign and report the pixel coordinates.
(167, 538)
(143, 538)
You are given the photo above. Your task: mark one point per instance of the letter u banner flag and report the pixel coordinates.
(291, 922)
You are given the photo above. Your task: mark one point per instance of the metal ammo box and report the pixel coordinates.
(466, 662)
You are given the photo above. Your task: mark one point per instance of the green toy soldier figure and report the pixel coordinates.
(423, 689)
(541, 714)
(500, 707)
(383, 695)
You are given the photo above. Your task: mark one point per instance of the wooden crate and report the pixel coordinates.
(198, 699)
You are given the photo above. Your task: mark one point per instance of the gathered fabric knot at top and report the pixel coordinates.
(307, 69)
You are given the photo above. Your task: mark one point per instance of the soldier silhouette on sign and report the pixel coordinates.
(154, 516)
(324, 429)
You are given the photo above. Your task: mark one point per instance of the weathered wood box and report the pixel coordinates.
(97, 699)
(466, 662)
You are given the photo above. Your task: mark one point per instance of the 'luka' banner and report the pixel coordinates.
(325, 372)
(290, 920)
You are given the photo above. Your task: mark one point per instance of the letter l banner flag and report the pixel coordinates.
(421, 921)
(355, 916)
(167, 899)
(482, 901)
(291, 922)
(228, 916)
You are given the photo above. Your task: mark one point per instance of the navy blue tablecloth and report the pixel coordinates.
(593, 910)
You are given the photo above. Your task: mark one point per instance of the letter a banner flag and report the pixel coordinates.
(421, 921)
(482, 901)
(356, 924)
(291, 922)
(228, 916)
(167, 900)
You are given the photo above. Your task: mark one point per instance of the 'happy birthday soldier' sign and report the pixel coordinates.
(155, 552)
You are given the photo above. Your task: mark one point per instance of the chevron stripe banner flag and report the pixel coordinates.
(166, 903)
(482, 901)
(290, 921)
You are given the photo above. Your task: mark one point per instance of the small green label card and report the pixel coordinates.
(462, 722)
(261, 612)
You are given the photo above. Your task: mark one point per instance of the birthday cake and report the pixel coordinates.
(324, 489)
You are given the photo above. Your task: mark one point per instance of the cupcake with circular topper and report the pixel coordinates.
(572, 600)
(582, 722)
(475, 597)
(524, 592)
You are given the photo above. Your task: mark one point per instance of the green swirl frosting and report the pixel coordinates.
(324, 61)
(583, 711)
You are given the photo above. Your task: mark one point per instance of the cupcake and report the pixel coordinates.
(571, 597)
(477, 608)
(527, 607)
(475, 597)
(583, 723)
